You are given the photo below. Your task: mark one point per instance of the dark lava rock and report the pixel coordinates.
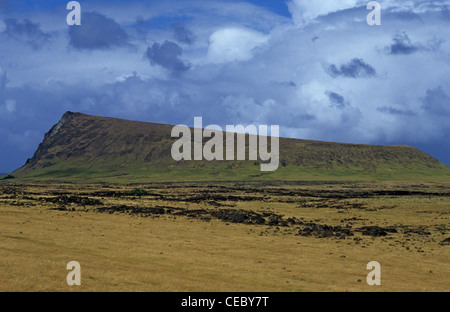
(323, 230)
(109, 194)
(141, 211)
(419, 231)
(278, 220)
(374, 231)
(238, 216)
(83, 201)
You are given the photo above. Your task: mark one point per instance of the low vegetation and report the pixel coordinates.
(229, 236)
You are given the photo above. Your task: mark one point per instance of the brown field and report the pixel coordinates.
(291, 237)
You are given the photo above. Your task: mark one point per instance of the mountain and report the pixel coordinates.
(85, 148)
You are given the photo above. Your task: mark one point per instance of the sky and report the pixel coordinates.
(315, 68)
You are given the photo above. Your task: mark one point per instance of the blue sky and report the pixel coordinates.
(313, 67)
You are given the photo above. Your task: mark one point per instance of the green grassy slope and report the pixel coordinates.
(84, 148)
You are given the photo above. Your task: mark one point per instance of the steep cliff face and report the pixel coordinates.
(84, 138)
(43, 150)
(92, 143)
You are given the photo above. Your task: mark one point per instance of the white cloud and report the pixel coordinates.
(303, 11)
(234, 44)
(245, 109)
(134, 74)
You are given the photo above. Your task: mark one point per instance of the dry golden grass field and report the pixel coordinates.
(225, 236)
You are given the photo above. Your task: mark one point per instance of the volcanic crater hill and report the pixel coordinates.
(98, 148)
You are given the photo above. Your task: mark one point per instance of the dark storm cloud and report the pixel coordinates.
(141, 28)
(167, 55)
(394, 111)
(182, 34)
(336, 99)
(356, 68)
(402, 45)
(445, 14)
(27, 31)
(436, 101)
(289, 84)
(97, 32)
(307, 117)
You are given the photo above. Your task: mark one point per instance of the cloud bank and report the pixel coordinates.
(321, 74)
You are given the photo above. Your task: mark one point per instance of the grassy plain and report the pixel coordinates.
(227, 236)
(219, 171)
